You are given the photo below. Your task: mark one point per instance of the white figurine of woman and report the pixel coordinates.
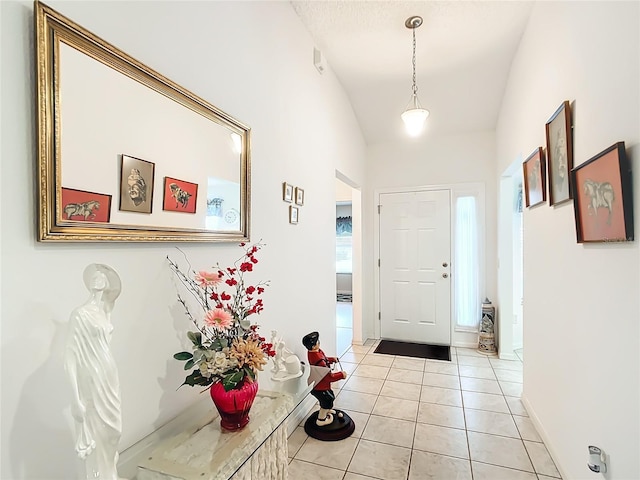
(94, 376)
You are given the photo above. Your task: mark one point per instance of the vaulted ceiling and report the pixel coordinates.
(464, 52)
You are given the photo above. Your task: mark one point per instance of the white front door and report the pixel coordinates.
(415, 251)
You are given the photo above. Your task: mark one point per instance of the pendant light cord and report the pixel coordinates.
(415, 87)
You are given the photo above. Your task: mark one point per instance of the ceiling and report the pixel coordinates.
(463, 55)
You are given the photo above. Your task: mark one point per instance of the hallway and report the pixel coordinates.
(425, 419)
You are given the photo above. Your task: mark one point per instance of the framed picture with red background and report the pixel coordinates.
(83, 206)
(179, 195)
(602, 198)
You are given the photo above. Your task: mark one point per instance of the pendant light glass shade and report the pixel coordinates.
(414, 117)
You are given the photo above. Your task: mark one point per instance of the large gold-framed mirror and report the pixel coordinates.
(125, 154)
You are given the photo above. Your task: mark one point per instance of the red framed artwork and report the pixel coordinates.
(179, 196)
(602, 199)
(533, 172)
(83, 206)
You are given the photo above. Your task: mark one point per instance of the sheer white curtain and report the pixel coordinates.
(466, 264)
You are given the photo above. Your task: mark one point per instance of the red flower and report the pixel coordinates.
(225, 297)
(242, 244)
(260, 290)
(231, 270)
(214, 296)
(246, 267)
(254, 259)
(220, 273)
(218, 305)
(231, 282)
(250, 289)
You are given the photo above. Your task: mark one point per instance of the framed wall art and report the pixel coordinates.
(136, 185)
(602, 198)
(179, 196)
(110, 103)
(287, 192)
(82, 206)
(293, 214)
(559, 154)
(533, 172)
(299, 196)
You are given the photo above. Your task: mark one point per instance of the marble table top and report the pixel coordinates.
(202, 450)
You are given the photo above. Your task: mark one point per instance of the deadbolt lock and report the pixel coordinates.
(445, 264)
(445, 275)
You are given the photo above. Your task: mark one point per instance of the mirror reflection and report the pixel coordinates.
(135, 156)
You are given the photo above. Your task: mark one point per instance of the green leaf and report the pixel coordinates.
(183, 356)
(195, 337)
(250, 373)
(216, 345)
(230, 381)
(189, 364)
(196, 378)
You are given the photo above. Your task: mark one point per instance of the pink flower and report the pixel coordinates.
(207, 279)
(218, 318)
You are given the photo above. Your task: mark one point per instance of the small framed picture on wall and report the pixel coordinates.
(287, 192)
(293, 214)
(533, 172)
(299, 196)
(179, 195)
(136, 184)
(559, 154)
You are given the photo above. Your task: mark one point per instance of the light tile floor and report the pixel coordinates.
(426, 419)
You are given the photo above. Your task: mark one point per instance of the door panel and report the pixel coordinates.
(414, 244)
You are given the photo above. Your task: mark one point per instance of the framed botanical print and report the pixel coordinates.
(533, 172)
(602, 198)
(293, 214)
(559, 154)
(287, 192)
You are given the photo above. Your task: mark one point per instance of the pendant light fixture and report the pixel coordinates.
(414, 116)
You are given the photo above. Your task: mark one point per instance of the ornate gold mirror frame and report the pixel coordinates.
(125, 154)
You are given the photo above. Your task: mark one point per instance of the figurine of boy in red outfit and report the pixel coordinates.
(322, 388)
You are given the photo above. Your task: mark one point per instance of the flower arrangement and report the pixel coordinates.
(226, 345)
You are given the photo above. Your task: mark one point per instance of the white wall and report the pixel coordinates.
(581, 302)
(451, 159)
(252, 60)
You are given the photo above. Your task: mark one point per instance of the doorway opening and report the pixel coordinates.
(510, 272)
(348, 265)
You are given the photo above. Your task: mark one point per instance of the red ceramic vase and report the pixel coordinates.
(235, 404)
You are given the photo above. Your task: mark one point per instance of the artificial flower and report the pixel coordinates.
(225, 344)
(218, 318)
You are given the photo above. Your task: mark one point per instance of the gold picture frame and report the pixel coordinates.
(149, 117)
(294, 213)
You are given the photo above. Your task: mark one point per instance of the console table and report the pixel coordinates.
(201, 450)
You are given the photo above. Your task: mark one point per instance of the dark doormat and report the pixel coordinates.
(418, 350)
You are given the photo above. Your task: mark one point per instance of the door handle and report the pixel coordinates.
(445, 275)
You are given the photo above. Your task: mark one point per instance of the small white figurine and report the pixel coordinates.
(286, 364)
(94, 376)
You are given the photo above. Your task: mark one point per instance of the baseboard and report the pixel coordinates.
(543, 434)
(465, 344)
(300, 413)
(507, 356)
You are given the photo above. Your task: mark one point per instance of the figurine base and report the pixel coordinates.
(339, 429)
